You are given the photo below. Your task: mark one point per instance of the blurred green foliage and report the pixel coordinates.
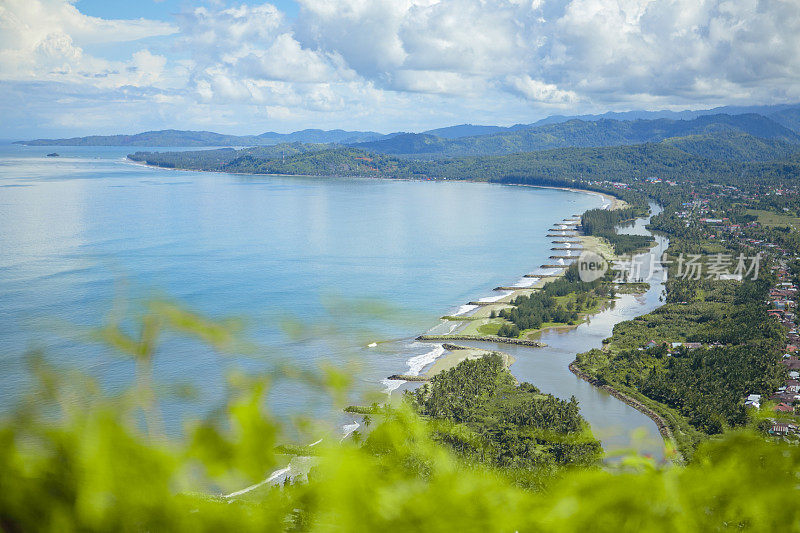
(75, 459)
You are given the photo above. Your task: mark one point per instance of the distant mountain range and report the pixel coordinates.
(168, 138)
(776, 124)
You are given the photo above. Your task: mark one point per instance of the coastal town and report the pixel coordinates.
(724, 239)
(744, 232)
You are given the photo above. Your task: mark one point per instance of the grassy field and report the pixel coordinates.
(771, 219)
(484, 325)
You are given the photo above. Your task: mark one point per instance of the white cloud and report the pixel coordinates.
(248, 54)
(412, 61)
(677, 48)
(44, 40)
(229, 34)
(286, 60)
(146, 68)
(594, 51)
(421, 45)
(27, 22)
(539, 91)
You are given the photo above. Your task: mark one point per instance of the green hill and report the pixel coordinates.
(734, 146)
(579, 133)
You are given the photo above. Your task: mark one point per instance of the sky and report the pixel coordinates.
(80, 67)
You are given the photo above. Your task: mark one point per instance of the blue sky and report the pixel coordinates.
(163, 10)
(78, 67)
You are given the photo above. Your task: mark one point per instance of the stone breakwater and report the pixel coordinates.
(405, 377)
(484, 338)
(661, 423)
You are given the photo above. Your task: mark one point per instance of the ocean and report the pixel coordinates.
(317, 269)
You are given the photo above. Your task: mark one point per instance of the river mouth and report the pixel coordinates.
(618, 426)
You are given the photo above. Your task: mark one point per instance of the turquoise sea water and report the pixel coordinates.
(78, 229)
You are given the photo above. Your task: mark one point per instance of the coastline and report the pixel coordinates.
(614, 202)
(480, 314)
(475, 314)
(451, 357)
(590, 243)
(480, 317)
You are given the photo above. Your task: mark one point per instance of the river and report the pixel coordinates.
(619, 426)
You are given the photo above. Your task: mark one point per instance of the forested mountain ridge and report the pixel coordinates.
(789, 118)
(722, 157)
(579, 133)
(733, 146)
(782, 114)
(468, 130)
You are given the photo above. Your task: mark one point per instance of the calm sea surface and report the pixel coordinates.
(351, 261)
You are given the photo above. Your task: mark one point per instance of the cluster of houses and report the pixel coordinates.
(654, 179)
(673, 347)
(783, 297)
(715, 225)
(787, 397)
(614, 184)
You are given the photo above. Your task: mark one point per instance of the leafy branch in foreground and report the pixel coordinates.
(74, 458)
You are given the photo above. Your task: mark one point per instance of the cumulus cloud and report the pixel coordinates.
(422, 45)
(45, 40)
(676, 48)
(601, 51)
(250, 54)
(463, 59)
(539, 91)
(231, 33)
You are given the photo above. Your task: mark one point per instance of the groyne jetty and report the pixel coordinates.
(452, 347)
(406, 377)
(484, 338)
